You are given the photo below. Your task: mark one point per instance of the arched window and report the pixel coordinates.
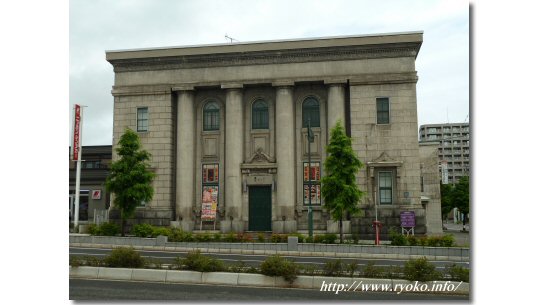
(311, 111)
(260, 115)
(211, 116)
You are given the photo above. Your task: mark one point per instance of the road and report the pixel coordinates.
(167, 257)
(122, 290)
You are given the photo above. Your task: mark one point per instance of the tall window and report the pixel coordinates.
(142, 119)
(211, 116)
(311, 111)
(260, 115)
(385, 187)
(383, 111)
(315, 178)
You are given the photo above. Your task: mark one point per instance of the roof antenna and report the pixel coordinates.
(231, 39)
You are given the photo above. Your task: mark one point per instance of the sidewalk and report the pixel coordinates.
(462, 238)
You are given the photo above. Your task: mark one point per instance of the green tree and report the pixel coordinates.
(130, 177)
(446, 199)
(460, 197)
(338, 186)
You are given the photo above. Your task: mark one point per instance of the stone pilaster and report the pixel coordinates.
(185, 159)
(336, 105)
(285, 157)
(234, 156)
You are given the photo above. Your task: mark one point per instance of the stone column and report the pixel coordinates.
(185, 168)
(336, 105)
(285, 158)
(233, 156)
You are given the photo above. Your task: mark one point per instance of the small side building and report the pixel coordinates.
(93, 195)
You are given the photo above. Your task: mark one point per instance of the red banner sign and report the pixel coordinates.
(76, 133)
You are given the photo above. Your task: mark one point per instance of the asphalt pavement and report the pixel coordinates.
(123, 290)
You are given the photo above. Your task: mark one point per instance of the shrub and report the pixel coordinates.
(309, 269)
(275, 265)
(93, 261)
(355, 238)
(217, 237)
(423, 241)
(420, 270)
(203, 237)
(244, 237)
(372, 271)
(330, 238)
(458, 273)
(105, 229)
(74, 261)
(230, 237)
(109, 229)
(237, 268)
(352, 268)
(397, 239)
(448, 241)
(319, 238)
(143, 230)
(279, 238)
(333, 268)
(93, 229)
(195, 261)
(412, 240)
(433, 241)
(161, 231)
(124, 257)
(309, 239)
(261, 237)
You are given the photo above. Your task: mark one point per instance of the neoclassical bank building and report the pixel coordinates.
(226, 125)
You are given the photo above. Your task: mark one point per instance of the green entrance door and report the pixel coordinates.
(259, 208)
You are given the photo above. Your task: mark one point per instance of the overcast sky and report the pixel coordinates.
(96, 26)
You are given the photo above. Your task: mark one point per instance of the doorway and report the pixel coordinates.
(259, 208)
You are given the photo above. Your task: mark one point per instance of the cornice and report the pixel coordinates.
(409, 49)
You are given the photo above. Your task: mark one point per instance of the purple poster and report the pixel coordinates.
(407, 219)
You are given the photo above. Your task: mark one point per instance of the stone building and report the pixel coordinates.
(226, 124)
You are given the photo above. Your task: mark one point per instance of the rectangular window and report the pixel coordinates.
(210, 173)
(383, 110)
(142, 119)
(385, 187)
(315, 189)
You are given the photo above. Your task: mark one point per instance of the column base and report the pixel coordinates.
(225, 226)
(334, 226)
(185, 225)
(284, 226)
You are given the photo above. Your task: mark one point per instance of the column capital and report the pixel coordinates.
(283, 83)
(231, 86)
(335, 81)
(183, 88)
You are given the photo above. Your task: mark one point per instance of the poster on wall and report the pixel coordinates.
(314, 171)
(315, 193)
(210, 196)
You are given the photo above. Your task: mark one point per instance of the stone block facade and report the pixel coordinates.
(227, 124)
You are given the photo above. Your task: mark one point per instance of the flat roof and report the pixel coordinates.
(268, 45)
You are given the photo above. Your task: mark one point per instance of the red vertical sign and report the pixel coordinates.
(76, 133)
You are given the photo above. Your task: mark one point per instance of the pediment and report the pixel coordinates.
(261, 157)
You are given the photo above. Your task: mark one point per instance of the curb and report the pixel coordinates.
(253, 280)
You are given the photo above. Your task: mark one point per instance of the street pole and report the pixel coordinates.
(310, 216)
(79, 165)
